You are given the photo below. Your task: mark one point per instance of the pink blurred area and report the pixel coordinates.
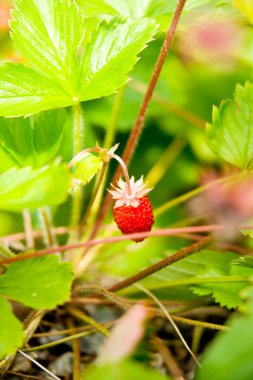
(5, 14)
(214, 41)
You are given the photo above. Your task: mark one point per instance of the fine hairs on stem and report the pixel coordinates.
(139, 123)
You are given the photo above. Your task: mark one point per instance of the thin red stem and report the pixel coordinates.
(136, 131)
(162, 264)
(115, 239)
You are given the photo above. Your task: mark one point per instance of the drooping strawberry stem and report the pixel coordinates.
(125, 171)
(106, 156)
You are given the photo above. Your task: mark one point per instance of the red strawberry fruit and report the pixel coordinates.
(132, 210)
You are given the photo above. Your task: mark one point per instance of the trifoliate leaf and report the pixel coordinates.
(87, 168)
(66, 66)
(40, 282)
(32, 141)
(11, 330)
(229, 357)
(231, 131)
(124, 371)
(27, 188)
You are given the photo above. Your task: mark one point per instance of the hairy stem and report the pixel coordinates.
(169, 359)
(136, 131)
(47, 228)
(77, 147)
(90, 321)
(5, 252)
(162, 264)
(115, 239)
(28, 229)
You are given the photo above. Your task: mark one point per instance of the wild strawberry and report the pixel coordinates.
(132, 210)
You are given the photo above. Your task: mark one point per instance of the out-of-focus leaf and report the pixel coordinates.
(27, 188)
(124, 371)
(41, 282)
(245, 261)
(232, 128)
(229, 356)
(32, 141)
(129, 329)
(7, 162)
(11, 330)
(135, 8)
(87, 168)
(246, 7)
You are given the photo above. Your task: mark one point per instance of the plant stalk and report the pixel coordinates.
(77, 147)
(162, 264)
(137, 129)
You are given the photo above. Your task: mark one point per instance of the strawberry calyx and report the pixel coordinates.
(129, 193)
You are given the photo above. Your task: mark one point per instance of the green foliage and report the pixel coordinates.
(66, 67)
(227, 294)
(33, 188)
(41, 282)
(245, 261)
(246, 7)
(124, 371)
(32, 141)
(135, 8)
(11, 331)
(231, 130)
(204, 264)
(48, 35)
(118, 43)
(229, 357)
(24, 91)
(87, 168)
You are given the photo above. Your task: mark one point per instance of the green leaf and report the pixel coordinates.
(111, 54)
(229, 357)
(66, 65)
(11, 330)
(201, 265)
(24, 91)
(245, 261)
(27, 188)
(135, 8)
(48, 34)
(87, 168)
(124, 371)
(226, 294)
(231, 131)
(32, 141)
(7, 162)
(40, 282)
